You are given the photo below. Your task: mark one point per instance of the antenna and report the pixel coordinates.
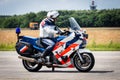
(93, 5)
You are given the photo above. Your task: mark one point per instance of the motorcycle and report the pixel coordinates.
(68, 52)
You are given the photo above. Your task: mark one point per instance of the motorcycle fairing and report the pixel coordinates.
(60, 50)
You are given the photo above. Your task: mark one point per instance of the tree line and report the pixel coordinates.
(86, 18)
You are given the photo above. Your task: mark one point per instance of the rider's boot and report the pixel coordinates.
(45, 55)
(42, 56)
(48, 60)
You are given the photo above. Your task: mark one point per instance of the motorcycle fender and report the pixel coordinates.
(84, 50)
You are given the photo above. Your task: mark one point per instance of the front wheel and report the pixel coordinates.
(31, 66)
(88, 64)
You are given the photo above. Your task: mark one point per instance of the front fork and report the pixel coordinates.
(80, 56)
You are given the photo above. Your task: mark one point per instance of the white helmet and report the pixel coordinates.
(53, 14)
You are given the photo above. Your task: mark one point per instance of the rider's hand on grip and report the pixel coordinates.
(62, 33)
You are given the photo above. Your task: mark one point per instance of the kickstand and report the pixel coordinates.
(53, 68)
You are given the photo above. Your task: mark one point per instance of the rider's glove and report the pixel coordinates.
(62, 33)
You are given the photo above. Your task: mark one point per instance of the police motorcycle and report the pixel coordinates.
(68, 52)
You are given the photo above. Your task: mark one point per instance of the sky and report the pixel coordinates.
(19, 7)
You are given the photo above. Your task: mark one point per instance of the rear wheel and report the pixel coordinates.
(31, 66)
(88, 64)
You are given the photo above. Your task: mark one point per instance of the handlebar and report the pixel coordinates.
(65, 33)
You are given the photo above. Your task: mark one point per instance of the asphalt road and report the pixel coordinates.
(107, 67)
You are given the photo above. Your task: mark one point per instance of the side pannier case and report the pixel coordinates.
(24, 49)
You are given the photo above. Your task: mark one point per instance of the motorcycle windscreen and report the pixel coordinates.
(74, 25)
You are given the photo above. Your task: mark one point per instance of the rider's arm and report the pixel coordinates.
(50, 29)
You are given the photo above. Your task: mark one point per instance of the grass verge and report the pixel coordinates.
(7, 47)
(94, 47)
(104, 47)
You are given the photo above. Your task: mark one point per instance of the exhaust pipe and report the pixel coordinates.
(60, 66)
(28, 59)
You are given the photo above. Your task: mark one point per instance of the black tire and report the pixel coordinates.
(31, 66)
(89, 62)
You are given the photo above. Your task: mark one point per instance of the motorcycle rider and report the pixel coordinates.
(47, 31)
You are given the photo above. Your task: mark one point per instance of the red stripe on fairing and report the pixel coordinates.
(66, 50)
(23, 49)
(69, 48)
(72, 46)
(57, 56)
(59, 44)
(71, 66)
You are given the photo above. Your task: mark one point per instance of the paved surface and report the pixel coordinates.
(107, 67)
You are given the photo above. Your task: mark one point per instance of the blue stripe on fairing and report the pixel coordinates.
(58, 38)
(71, 41)
(38, 48)
(30, 40)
